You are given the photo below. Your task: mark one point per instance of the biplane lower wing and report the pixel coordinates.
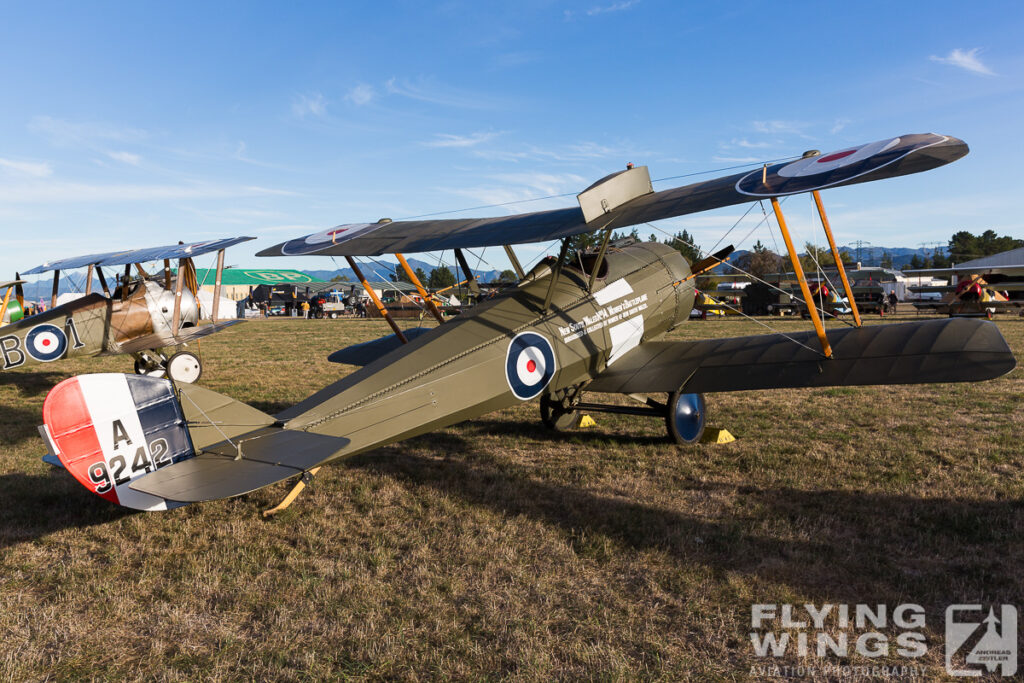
(367, 352)
(951, 350)
(159, 340)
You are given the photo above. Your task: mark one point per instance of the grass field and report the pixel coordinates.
(496, 549)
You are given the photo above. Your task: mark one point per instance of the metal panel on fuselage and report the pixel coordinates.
(502, 352)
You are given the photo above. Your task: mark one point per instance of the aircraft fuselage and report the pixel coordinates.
(92, 325)
(506, 350)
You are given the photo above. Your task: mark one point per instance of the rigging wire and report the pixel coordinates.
(753, 277)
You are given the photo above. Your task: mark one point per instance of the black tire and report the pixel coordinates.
(555, 416)
(685, 417)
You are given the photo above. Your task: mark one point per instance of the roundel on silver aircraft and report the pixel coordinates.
(46, 342)
(529, 364)
(823, 170)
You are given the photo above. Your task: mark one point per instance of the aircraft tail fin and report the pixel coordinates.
(147, 444)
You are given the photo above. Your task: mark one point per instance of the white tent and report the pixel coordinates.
(227, 309)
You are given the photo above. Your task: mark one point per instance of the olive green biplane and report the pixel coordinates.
(575, 325)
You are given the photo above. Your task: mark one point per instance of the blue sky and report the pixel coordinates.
(135, 124)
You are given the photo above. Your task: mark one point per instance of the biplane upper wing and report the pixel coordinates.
(951, 350)
(10, 283)
(159, 340)
(873, 161)
(120, 258)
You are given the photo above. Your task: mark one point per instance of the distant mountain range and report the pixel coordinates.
(382, 269)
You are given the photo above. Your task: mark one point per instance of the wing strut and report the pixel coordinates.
(516, 266)
(376, 299)
(799, 270)
(178, 285)
(3, 306)
(125, 280)
(472, 288)
(556, 271)
(88, 280)
(216, 285)
(167, 274)
(103, 281)
(427, 299)
(56, 282)
(835, 255)
(600, 258)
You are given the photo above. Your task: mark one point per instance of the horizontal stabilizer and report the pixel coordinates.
(246, 463)
(951, 350)
(159, 340)
(367, 352)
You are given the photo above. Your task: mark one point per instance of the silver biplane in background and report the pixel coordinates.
(591, 322)
(143, 315)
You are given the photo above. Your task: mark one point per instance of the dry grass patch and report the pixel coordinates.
(496, 549)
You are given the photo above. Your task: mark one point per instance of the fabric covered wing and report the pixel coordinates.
(951, 350)
(159, 340)
(367, 352)
(120, 258)
(874, 161)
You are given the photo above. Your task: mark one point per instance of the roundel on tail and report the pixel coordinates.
(529, 364)
(46, 343)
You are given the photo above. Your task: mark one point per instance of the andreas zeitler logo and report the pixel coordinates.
(978, 640)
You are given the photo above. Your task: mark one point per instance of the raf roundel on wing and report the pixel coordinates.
(529, 365)
(821, 171)
(315, 242)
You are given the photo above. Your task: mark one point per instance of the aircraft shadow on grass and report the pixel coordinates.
(31, 383)
(35, 505)
(866, 547)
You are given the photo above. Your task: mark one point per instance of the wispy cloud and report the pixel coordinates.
(620, 6)
(448, 140)
(430, 91)
(126, 158)
(574, 152)
(838, 126)
(72, 192)
(743, 143)
(965, 59)
(61, 132)
(518, 189)
(361, 94)
(312, 104)
(35, 169)
(614, 7)
(780, 127)
(297, 229)
(736, 160)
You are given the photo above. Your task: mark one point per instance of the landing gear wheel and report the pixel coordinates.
(556, 416)
(151, 366)
(184, 367)
(684, 417)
